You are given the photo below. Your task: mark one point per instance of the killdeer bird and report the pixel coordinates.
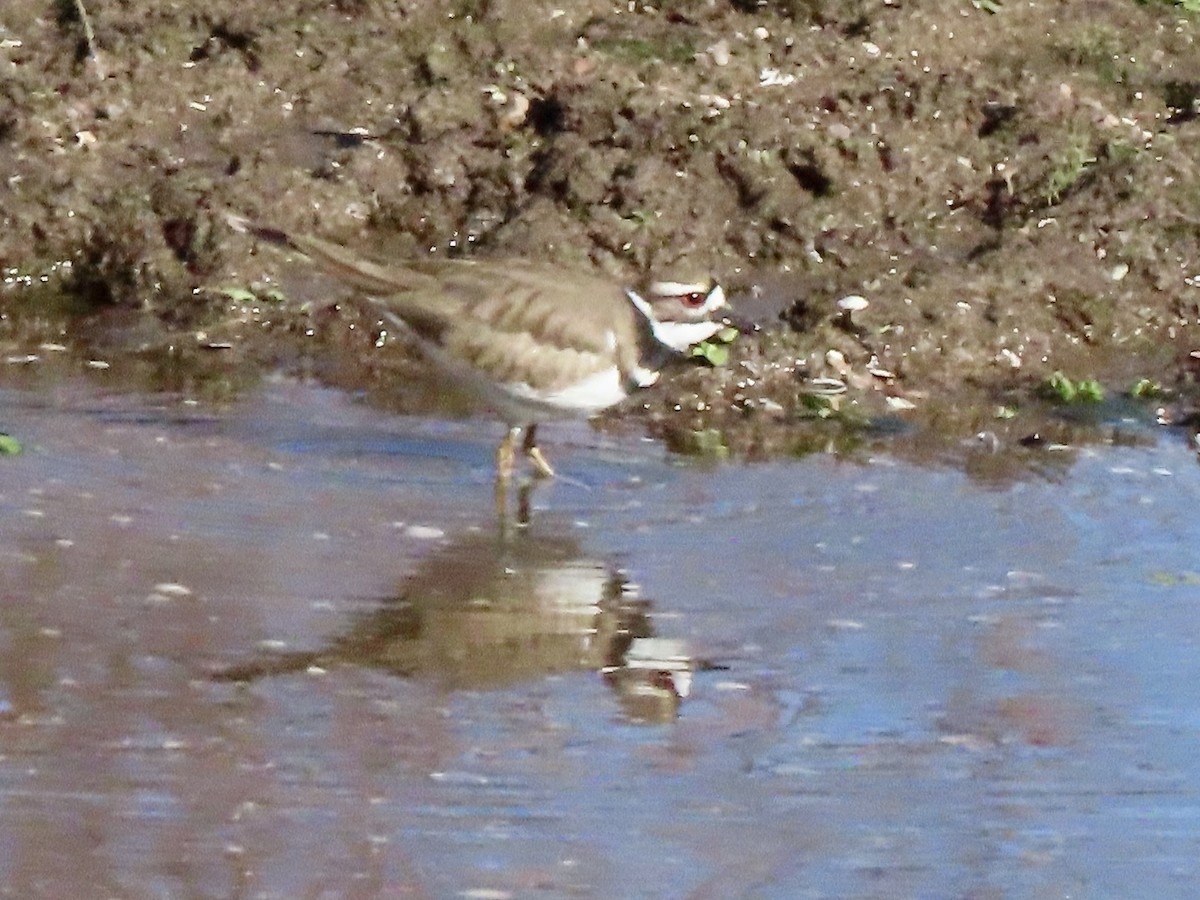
(530, 341)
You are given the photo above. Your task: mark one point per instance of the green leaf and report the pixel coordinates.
(9, 445)
(708, 442)
(713, 354)
(1189, 6)
(818, 406)
(1174, 579)
(1146, 389)
(256, 293)
(1059, 387)
(1090, 391)
(237, 294)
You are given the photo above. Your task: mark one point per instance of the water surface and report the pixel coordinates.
(279, 648)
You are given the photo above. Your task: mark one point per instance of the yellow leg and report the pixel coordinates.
(505, 460)
(541, 466)
(505, 456)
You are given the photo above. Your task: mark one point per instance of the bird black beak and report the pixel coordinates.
(741, 323)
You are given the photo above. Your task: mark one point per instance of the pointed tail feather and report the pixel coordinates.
(361, 274)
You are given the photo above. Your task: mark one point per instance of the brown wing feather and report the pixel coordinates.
(565, 309)
(518, 357)
(486, 312)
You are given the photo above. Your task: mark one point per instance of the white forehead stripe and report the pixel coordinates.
(679, 288)
(714, 294)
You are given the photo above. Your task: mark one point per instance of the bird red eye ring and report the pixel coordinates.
(695, 298)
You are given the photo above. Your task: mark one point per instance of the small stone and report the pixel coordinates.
(1008, 356)
(719, 53)
(173, 589)
(424, 532)
(875, 370)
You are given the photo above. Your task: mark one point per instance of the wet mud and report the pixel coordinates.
(1012, 189)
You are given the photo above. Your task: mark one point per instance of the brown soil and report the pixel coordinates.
(1014, 191)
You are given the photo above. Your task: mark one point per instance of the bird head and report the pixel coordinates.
(681, 313)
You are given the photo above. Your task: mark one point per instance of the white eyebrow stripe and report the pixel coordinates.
(679, 288)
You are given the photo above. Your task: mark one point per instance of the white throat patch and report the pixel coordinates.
(682, 336)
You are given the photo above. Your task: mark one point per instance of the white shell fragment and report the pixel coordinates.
(825, 387)
(875, 370)
(853, 303)
(836, 360)
(719, 52)
(1008, 356)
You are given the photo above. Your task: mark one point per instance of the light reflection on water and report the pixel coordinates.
(905, 682)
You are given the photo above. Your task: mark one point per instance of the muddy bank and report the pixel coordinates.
(1014, 190)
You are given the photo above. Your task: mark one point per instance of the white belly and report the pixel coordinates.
(518, 403)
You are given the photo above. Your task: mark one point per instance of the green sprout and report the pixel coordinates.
(9, 445)
(716, 350)
(1058, 387)
(707, 442)
(819, 406)
(1189, 6)
(256, 293)
(1146, 389)
(1068, 170)
(1091, 391)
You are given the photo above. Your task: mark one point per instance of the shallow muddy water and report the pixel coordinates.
(280, 648)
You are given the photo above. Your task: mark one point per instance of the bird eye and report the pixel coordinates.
(694, 299)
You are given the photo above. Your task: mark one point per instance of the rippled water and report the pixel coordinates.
(280, 648)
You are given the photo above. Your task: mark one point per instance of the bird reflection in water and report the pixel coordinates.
(490, 611)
